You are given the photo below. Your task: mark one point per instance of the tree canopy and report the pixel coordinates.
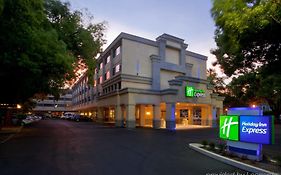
(249, 47)
(247, 34)
(40, 43)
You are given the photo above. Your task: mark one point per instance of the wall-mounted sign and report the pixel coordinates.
(192, 92)
(246, 128)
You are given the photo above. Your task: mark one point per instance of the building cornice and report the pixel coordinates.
(196, 55)
(191, 79)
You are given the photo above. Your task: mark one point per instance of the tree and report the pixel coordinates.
(38, 54)
(83, 40)
(216, 81)
(247, 35)
(249, 46)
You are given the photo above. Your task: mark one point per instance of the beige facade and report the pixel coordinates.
(140, 82)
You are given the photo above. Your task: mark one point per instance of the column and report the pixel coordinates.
(204, 116)
(190, 116)
(182, 54)
(170, 116)
(155, 66)
(118, 116)
(142, 115)
(130, 118)
(156, 116)
(100, 116)
(214, 116)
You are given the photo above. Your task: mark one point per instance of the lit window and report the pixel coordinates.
(108, 59)
(117, 68)
(107, 75)
(117, 51)
(100, 79)
(95, 83)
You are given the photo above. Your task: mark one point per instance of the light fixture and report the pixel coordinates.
(147, 113)
(18, 106)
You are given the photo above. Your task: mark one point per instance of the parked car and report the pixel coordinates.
(67, 115)
(30, 119)
(78, 117)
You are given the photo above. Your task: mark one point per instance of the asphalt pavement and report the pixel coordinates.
(58, 147)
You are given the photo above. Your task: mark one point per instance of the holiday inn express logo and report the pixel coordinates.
(192, 92)
(229, 127)
(189, 91)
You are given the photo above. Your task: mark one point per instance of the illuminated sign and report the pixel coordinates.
(256, 129)
(229, 127)
(192, 92)
(247, 128)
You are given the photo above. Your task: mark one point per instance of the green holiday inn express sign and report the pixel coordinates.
(192, 92)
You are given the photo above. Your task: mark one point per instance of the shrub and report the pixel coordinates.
(244, 157)
(204, 143)
(221, 147)
(265, 157)
(278, 159)
(20, 116)
(212, 145)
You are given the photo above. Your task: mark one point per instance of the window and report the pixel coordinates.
(96, 70)
(118, 51)
(117, 68)
(100, 79)
(108, 59)
(107, 75)
(95, 83)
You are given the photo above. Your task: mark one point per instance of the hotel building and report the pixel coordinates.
(54, 107)
(146, 83)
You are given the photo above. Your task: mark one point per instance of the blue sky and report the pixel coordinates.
(187, 19)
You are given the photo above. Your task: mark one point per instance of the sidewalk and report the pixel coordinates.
(7, 133)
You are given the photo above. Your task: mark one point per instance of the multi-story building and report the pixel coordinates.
(140, 82)
(54, 107)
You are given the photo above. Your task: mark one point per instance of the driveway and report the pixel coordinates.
(64, 147)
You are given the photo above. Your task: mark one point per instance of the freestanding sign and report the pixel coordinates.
(246, 128)
(245, 133)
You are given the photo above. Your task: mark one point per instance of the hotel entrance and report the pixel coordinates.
(188, 114)
(144, 115)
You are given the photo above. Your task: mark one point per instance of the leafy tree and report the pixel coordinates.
(247, 35)
(39, 47)
(216, 81)
(83, 40)
(249, 46)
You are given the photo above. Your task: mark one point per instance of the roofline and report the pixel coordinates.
(131, 37)
(196, 55)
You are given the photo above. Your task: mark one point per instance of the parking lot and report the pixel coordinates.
(66, 147)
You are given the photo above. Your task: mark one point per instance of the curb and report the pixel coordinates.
(12, 135)
(240, 165)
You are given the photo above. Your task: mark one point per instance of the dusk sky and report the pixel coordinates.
(187, 19)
